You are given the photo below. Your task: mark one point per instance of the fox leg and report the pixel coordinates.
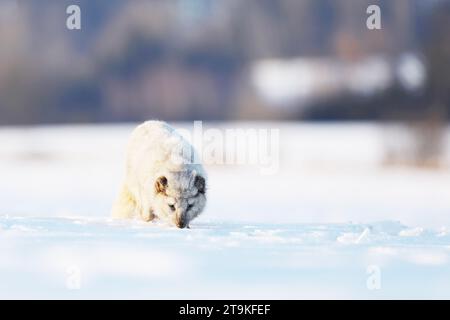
(125, 205)
(147, 215)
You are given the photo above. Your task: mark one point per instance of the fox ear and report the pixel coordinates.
(161, 184)
(200, 184)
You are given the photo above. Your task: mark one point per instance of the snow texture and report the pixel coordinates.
(330, 224)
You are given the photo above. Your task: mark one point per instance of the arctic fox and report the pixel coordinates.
(162, 179)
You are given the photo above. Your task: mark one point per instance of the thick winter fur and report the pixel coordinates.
(161, 179)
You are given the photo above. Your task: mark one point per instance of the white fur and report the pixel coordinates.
(157, 150)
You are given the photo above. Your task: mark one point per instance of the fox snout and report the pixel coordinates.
(181, 221)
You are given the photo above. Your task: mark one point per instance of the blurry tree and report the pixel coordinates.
(437, 51)
(190, 59)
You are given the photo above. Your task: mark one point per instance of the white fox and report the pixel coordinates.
(162, 180)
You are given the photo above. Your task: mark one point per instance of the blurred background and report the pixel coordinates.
(223, 60)
(346, 98)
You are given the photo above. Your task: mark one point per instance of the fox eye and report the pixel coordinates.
(190, 206)
(172, 207)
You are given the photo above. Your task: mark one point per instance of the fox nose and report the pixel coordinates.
(181, 225)
(180, 221)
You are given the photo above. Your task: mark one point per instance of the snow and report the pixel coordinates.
(130, 259)
(316, 229)
(413, 232)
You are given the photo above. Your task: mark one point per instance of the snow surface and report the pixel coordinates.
(316, 229)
